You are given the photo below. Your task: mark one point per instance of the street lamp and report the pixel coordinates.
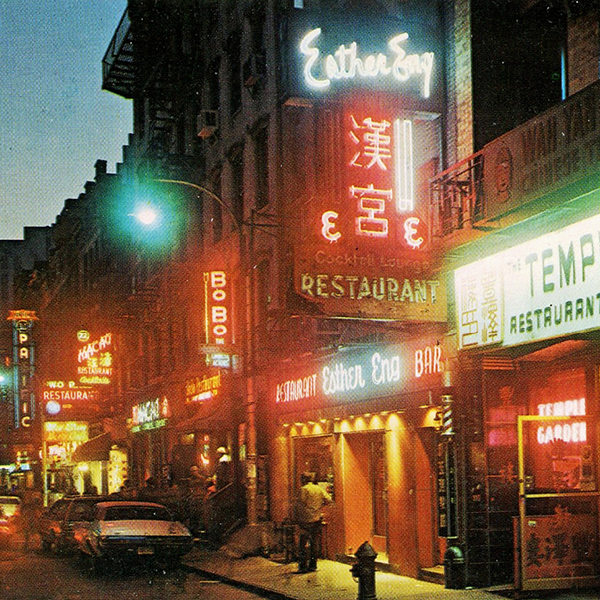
(251, 446)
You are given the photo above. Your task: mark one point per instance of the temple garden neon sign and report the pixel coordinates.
(345, 63)
(572, 432)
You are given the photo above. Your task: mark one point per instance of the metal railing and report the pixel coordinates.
(456, 196)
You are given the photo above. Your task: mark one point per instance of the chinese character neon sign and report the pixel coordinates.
(380, 171)
(346, 64)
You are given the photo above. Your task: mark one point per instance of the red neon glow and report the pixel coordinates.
(573, 432)
(217, 317)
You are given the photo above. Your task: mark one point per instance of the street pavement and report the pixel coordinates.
(333, 581)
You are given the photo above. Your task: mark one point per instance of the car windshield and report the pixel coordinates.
(137, 513)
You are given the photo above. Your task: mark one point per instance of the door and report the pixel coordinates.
(556, 532)
(377, 468)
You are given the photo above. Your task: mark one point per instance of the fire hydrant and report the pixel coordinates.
(364, 571)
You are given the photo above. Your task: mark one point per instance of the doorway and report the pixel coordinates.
(365, 482)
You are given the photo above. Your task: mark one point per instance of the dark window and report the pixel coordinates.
(237, 184)
(261, 158)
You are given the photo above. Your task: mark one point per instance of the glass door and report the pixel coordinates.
(556, 532)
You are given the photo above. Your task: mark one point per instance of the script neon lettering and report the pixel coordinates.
(345, 63)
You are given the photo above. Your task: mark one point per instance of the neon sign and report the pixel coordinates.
(199, 389)
(151, 414)
(362, 374)
(381, 163)
(217, 324)
(346, 64)
(572, 432)
(98, 360)
(24, 361)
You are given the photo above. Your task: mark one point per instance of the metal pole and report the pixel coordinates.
(247, 358)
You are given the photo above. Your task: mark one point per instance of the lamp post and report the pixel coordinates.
(251, 446)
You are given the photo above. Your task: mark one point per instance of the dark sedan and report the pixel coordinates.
(58, 524)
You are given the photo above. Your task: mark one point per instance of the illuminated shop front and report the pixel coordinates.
(527, 323)
(365, 421)
(149, 434)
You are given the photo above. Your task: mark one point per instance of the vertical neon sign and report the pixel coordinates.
(381, 188)
(217, 308)
(24, 364)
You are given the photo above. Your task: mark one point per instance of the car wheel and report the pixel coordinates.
(98, 564)
(48, 544)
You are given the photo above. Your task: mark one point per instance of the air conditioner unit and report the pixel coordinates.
(255, 68)
(208, 123)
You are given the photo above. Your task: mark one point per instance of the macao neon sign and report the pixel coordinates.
(346, 64)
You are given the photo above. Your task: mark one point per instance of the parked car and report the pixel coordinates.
(58, 523)
(132, 529)
(10, 509)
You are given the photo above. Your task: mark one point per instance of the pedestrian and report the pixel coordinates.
(223, 471)
(309, 518)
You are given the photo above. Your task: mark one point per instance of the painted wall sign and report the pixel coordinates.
(541, 289)
(359, 374)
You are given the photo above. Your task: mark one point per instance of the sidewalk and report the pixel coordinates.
(333, 581)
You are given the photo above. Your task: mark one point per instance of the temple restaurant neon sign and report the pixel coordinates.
(345, 63)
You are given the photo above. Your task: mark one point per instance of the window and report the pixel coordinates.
(261, 158)
(237, 183)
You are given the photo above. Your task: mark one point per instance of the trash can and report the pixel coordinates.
(454, 568)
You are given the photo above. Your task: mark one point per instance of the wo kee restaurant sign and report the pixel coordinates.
(360, 374)
(545, 288)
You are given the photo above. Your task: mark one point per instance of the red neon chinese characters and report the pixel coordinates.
(373, 152)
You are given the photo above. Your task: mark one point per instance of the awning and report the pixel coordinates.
(97, 448)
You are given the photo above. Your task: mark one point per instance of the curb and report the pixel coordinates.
(248, 587)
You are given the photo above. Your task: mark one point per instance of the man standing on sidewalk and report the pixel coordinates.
(311, 500)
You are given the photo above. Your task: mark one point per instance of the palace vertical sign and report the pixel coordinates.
(24, 365)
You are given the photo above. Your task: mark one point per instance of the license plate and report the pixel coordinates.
(145, 550)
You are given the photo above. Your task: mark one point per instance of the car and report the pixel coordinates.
(10, 509)
(122, 530)
(58, 523)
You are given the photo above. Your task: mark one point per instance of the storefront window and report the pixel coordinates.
(315, 455)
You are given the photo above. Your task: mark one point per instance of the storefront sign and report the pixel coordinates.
(541, 289)
(549, 151)
(151, 414)
(330, 53)
(360, 374)
(218, 324)
(320, 70)
(95, 360)
(200, 389)
(365, 253)
(559, 546)
(24, 362)
(65, 431)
